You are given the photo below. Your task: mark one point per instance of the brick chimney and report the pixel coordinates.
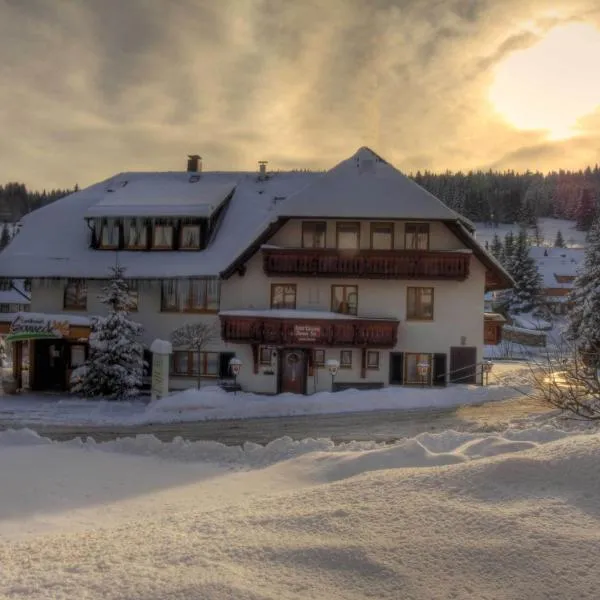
(262, 169)
(194, 163)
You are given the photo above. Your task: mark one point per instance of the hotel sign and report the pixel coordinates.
(307, 333)
(37, 327)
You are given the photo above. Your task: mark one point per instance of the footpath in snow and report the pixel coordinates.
(212, 403)
(451, 515)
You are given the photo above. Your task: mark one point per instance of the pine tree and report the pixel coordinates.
(584, 317)
(509, 247)
(585, 213)
(4, 237)
(559, 242)
(526, 294)
(116, 362)
(497, 248)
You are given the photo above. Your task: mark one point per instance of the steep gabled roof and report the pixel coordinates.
(365, 186)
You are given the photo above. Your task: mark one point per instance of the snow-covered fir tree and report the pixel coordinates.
(115, 365)
(497, 249)
(584, 317)
(526, 294)
(585, 213)
(559, 242)
(509, 247)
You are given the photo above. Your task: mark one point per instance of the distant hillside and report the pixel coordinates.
(510, 197)
(491, 197)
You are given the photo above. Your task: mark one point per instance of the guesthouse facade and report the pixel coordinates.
(357, 265)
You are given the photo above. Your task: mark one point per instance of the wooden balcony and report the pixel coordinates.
(274, 331)
(370, 264)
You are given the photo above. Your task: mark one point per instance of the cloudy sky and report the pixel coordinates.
(89, 88)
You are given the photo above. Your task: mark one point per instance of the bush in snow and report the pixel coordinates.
(568, 380)
(115, 365)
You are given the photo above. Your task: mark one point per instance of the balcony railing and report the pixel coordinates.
(271, 331)
(372, 264)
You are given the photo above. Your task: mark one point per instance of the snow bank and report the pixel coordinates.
(214, 403)
(424, 450)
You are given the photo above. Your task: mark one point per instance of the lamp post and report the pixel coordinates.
(235, 366)
(423, 370)
(333, 365)
(488, 365)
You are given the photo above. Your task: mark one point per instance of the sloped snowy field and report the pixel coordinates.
(453, 515)
(548, 228)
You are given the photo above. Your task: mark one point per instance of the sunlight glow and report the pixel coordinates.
(552, 84)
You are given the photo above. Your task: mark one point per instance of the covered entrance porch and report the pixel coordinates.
(45, 350)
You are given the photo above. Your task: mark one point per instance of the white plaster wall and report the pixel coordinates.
(440, 237)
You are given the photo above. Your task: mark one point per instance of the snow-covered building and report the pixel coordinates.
(358, 264)
(558, 269)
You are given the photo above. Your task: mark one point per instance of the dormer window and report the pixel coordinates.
(190, 237)
(109, 234)
(136, 234)
(162, 238)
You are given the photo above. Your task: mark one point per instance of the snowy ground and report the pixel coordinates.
(548, 228)
(211, 403)
(454, 515)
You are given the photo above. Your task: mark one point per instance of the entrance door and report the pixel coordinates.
(463, 367)
(50, 369)
(293, 371)
(396, 368)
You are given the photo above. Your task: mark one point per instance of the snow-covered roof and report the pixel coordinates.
(162, 195)
(365, 186)
(54, 241)
(15, 296)
(557, 261)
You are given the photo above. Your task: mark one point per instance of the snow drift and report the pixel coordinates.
(450, 515)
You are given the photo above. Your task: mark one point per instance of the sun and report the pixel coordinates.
(552, 84)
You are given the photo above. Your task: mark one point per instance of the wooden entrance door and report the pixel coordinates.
(463, 367)
(293, 371)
